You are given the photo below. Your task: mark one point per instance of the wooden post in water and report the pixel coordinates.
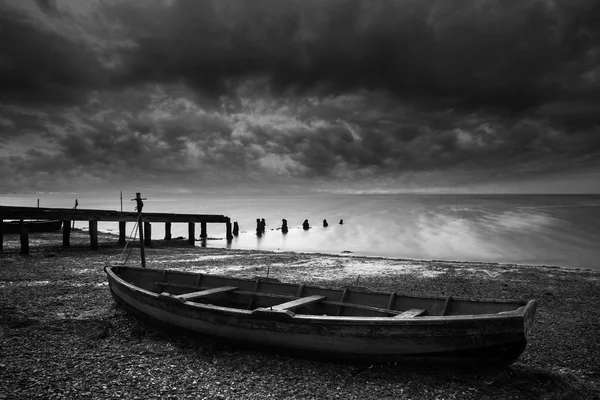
(167, 231)
(147, 233)
(191, 232)
(24, 238)
(122, 232)
(203, 234)
(228, 233)
(93, 224)
(140, 205)
(66, 233)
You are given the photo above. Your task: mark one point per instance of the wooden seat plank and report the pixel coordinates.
(205, 293)
(303, 301)
(292, 297)
(413, 312)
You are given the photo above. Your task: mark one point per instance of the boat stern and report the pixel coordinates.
(529, 316)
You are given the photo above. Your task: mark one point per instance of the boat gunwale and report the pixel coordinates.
(428, 297)
(519, 314)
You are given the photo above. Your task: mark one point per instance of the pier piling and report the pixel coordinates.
(93, 228)
(70, 215)
(203, 234)
(228, 233)
(147, 233)
(191, 233)
(122, 232)
(167, 231)
(24, 238)
(66, 233)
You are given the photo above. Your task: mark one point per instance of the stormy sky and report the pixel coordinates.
(349, 96)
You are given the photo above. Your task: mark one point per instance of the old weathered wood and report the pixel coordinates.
(447, 305)
(191, 233)
(147, 233)
(167, 231)
(290, 297)
(385, 311)
(66, 233)
(251, 301)
(139, 207)
(391, 300)
(203, 234)
(24, 238)
(122, 232)
(344, 295)
(363, 336)
(74, 214)
(304, 301)
(93, 230)
(413, 312)
(228, 233)
(1, 233)
(205, 293)
(71, 214)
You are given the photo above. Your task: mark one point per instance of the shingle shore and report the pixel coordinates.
(61, 335)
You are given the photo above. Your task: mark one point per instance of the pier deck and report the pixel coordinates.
(67, 215)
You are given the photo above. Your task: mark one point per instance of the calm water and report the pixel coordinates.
(559, 230)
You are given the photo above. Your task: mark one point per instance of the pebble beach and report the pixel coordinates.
(63, 337)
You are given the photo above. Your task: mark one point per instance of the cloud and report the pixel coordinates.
(352, 91)
(465, 54)
(472, 54)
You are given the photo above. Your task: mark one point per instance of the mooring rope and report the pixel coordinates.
(133, 233)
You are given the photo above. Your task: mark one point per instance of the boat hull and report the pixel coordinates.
(497, 339)
(32, 226)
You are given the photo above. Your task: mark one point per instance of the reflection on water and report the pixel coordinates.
(530, 229)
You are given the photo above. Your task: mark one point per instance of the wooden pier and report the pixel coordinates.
(68, 215)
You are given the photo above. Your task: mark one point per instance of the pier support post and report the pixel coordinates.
(93, 227)
(1, 233)
(66, 233)
(228, 233)
(147, 233)
(167, 231)
(203, 234)
(191, 232)
(122, 232)
(24, 238)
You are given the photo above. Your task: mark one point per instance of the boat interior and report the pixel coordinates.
(261, 292)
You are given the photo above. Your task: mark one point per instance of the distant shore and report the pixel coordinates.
(58, 319)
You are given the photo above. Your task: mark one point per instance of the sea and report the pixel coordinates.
(557, 230)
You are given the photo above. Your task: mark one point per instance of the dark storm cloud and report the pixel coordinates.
(172, 90)
(512, 55)
(39, 65)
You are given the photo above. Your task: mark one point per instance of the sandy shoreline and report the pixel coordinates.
(57, 316)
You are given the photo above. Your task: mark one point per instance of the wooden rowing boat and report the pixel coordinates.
(32, 226)
(351, 324)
